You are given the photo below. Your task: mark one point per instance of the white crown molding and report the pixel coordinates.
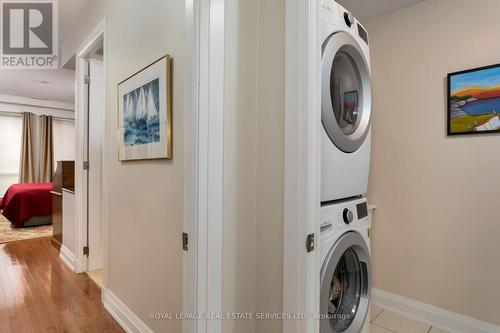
(431, 315)
(41, 103)
(123, 315)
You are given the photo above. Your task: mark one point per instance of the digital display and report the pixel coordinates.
(362, 33)
(362, 210)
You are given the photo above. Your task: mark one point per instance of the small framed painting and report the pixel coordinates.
(474, 101)
(144, 113)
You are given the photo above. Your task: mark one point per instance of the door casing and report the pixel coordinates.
(96, 37)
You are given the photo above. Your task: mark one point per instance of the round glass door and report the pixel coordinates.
(345, 291)
(346, 92)
(345, 286)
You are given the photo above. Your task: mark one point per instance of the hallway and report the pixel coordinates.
(38, 293)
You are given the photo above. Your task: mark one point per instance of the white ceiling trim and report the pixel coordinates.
(26, 101)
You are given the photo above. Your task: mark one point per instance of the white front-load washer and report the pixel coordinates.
(346, 103)
(345, 276)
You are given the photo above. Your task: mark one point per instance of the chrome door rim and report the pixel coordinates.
(350, 240)
(335, 43)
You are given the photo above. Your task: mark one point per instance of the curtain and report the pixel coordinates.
(26, 167)
(46, 164)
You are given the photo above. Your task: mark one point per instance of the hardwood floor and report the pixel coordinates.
(38, 293)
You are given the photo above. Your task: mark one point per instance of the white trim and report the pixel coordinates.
(190, 163)
(215, 163)
(80, 238)
(16, 105)
(302, 163)
(104, 162)
(68, 258)
(98, 34)
(92, 38)
(431, 315)
(123, 315)
(42, 103)
(203, 151)
(18, 109)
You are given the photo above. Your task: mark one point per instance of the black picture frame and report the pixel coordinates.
(450, 101)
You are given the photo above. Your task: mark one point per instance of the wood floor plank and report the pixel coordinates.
(38, 293)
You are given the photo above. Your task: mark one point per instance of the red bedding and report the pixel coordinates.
(24, 201)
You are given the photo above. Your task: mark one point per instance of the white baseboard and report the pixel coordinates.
(431, 315)
(123, 315)
(68, 258)
(80, 265)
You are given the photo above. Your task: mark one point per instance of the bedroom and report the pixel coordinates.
(43, 197)
(36, 131)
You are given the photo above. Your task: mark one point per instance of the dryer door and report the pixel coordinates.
(346, 97)
(345, 285)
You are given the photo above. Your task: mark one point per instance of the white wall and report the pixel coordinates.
(145, 197)
(63, 132)
(253, 163)
(270, 155)
(240, 163)
(436, 232)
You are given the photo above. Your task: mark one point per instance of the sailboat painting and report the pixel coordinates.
(144, 113)
(141, 121)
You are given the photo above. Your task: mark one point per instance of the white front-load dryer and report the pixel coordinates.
(346, 104)
(345, 276)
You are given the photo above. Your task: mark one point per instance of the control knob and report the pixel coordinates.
(347, 216)
(349, 19)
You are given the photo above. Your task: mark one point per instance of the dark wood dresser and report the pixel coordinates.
(64, 177)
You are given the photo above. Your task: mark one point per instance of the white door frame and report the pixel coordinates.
(98, 34)
(95, 258)
(302, 164)
(203, 150)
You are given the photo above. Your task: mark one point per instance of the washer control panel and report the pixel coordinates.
(345, 213)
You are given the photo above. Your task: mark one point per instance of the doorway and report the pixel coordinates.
(91, 99)
(93, 167)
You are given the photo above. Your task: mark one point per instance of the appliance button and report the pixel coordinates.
(347, 216)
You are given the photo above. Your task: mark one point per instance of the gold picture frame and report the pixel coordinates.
(145, 113)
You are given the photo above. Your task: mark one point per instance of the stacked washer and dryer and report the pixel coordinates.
(344, 246)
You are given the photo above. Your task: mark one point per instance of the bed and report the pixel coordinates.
(26, 205)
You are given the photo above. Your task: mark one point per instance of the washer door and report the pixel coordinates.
(345, 285)
(346, 97)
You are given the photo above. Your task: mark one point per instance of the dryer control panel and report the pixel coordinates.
(350, 213)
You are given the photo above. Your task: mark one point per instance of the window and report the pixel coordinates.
(10, 151)
(64, 140)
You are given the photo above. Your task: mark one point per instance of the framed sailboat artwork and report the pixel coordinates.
(144, 113)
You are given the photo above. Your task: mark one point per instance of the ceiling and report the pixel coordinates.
(54, 85)
(366, 10)
(69, 14)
